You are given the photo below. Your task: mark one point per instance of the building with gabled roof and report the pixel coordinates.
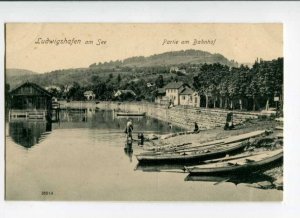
(178, 93)
(89, 95)
(173, 89)
(189, 97)
(124, 92)
(30, 99)
(160, 97)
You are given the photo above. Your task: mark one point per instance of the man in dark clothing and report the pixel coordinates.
(196, 127)
(229, 122)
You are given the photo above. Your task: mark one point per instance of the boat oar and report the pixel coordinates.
(226, 158)
(173, 151)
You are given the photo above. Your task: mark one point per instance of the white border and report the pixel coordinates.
(195, 12)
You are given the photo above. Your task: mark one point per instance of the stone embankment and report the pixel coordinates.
(179, 116)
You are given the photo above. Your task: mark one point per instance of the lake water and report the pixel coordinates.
(82, 157)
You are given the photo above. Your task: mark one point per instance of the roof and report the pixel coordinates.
(187, 91)
(161, 91)
(35, 86)
(174, 85)
(88, 93)
(125, 92)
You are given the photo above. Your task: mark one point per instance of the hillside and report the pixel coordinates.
(147, 68)
(169, 59)
(18, 72)
(16, 77)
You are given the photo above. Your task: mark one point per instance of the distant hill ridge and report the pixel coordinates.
(129, 68)
(190, 56)
(19, 72)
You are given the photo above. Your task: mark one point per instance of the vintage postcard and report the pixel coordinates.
(144, 112)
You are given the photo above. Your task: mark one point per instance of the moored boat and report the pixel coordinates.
(228, 140)
(188, 157)
(247, 164)
(130, 114)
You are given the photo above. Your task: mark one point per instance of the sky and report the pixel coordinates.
(242, 42)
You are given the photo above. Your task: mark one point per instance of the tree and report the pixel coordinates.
(119, 78)
(55, 92)
(75, 92)
(260, 83)
(159, 82)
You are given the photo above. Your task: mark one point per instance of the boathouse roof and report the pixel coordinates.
(35, 90)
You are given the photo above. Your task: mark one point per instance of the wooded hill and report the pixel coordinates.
(129, 69)
(169, 59)
(17, 76)
(220, 86)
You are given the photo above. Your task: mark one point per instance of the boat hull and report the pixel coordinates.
(189, 159)
(240, 169)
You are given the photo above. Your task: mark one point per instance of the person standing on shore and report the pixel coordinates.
(229, 122)
(129, 129)
(196, 129)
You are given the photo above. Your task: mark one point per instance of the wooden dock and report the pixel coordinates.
(27, 114)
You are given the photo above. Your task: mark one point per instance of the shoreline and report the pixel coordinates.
(183, 117)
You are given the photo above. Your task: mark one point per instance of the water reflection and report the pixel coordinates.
(75, 115)
(254, 178)
(161, 168)
(106, 119)
(128, 150)
(29, 133)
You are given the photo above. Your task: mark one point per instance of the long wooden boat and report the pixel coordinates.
(191, 157)
(254, 163)
(130, 114)
(228, 140)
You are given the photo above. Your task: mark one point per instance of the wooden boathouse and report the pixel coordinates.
(30, 101)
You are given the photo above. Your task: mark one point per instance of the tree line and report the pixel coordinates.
(220, 86)
(241, 87)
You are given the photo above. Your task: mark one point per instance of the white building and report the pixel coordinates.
(179, 93)
(127, 92)
(161, 97)
(196, 99)
(53, 87)
(89, 95)
(173, 90)
(189, 97)
(186, 97)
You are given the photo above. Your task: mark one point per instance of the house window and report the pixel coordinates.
(183, 97)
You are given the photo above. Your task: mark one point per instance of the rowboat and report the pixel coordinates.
(253, 163)
(188, 157)
(228, 140)
(130, 114)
